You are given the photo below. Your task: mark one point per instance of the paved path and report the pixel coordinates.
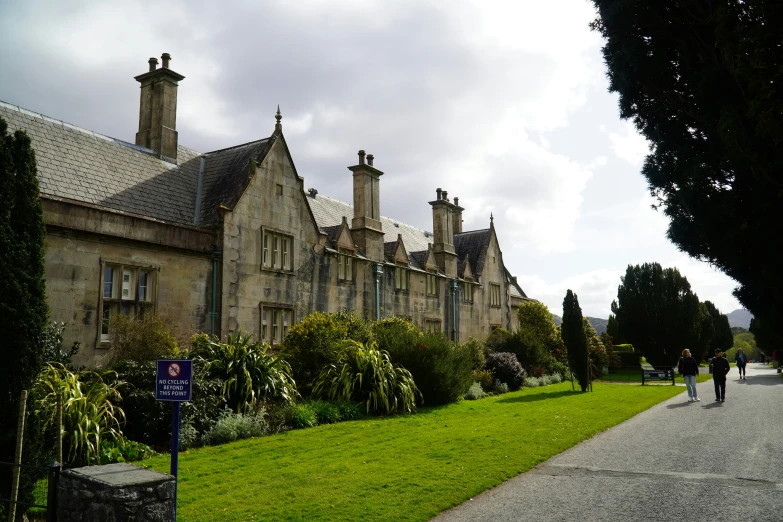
(677, 461)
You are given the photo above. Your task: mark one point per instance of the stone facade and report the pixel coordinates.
(231, 239)
(115, 493)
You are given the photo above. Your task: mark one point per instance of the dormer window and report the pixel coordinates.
(344, 265)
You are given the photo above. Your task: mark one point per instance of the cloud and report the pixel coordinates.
(629, 145)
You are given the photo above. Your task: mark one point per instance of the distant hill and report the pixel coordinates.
(740, 318)
(598, 324)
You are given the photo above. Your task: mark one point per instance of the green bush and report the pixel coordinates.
(558, 368)
(53, 345)
(396, 336)
(314, 342)
(531, 352)
(484, 378)
(302, 415)
(497, 340)
(147, 338)
(248, 372)
(499, 388)
(236, 426)
(366, 375)
(349, 410)
(506, 368)
(532, 382)
(442, 370)
(325, 412)
(475, 392)
(113, 451)
(476, 350)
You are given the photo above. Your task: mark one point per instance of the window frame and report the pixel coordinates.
(494, 295)
(467, 292)
(277, 251)
(273, 333)
(431, 284)
(432, 325)
(401, 278)
(115, 304)
(346, 265)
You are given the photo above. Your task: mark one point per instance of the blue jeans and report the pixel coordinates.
(690, 383)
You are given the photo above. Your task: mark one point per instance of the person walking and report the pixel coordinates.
(741, 359)
(720, 368)
(689, 369)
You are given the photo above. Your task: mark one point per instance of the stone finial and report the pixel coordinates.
(153, 63)
(166, 58)
(278, 117)
(361, 157)
(491, 218)
(439, 192)
(370, 159)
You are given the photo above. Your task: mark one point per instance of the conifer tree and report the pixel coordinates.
(574, 338)
(23, 310)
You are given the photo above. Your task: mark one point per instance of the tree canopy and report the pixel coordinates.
(573, 333)
(536, 319)
(701, 80)
(657, 312)
(723, 338)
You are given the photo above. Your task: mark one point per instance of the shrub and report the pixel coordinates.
(555, 378)
(442, 370)
(507, 369)
(146, 338)
(88, 410)
(349, 410)
(314, 342)
(149, 420)
(545, 380)
(475, 392)
(558, 368)
(236, 426)
(302, 415)
(248, 372)
(53, 345)
(325, 412)
(484, 378)
(532, 382)
(497, 340)
(531, 352)
(475, 350)
(119, 450)
(188, 436)
(366, 375)
(499, 388)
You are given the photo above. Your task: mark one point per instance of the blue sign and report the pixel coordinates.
(173, 381)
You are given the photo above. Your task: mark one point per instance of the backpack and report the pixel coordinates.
(711, 367)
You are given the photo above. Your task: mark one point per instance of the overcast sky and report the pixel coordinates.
(504, 104)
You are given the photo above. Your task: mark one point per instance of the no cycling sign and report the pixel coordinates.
(173, 380)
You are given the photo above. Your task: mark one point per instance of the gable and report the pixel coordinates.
(430, 263)
(467, 273)
(400, 253)
(344, 237)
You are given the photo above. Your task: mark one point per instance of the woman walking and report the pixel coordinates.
(689, 369)
(741, 359)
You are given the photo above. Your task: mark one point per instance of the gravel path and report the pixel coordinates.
(676, 461)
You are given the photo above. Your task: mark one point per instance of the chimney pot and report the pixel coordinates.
(166, 57)
(370, 159)
(439, 192)
(153, 64)
(456, 200)
(445, 195)
(361, 157)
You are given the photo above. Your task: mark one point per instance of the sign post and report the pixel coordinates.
(173, 382)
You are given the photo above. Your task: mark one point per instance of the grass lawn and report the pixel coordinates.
(397, 468)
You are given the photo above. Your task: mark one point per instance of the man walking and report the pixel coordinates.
(741, 359)
(720, 368)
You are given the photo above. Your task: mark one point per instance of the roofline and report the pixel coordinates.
(234, 146)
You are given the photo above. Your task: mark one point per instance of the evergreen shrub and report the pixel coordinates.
(475, 392)
(499, 388)
(484, 378)
(506, 368)
(236, 426)
(302, 415)
(140, 339)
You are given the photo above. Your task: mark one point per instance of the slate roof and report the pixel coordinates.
(472, 244)
(80, 165)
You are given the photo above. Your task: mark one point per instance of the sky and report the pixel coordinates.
(504, 104)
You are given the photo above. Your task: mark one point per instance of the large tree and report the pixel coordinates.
(701, 80)
(723, 338)
(572, 330)
(657, 312)
(702, 345)
(23, 311)
(536, 319)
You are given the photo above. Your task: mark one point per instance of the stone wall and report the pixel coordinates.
(116, 493)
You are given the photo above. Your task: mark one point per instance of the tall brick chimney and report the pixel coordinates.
(366, 225)
(158, 109)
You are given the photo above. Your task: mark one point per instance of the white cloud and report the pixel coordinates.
(629, 145)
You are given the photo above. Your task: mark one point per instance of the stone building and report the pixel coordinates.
(231, 239)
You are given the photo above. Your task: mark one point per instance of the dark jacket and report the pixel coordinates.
(720, 367)
(741, 359)
(688, 366)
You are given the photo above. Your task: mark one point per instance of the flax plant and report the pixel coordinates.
(248, 372)
(90, 415)
(367, 375)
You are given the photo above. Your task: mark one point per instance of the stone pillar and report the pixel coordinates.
(116, 493)
(443, 233)
(158, 109)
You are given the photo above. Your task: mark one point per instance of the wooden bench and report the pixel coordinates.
(651, 374)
